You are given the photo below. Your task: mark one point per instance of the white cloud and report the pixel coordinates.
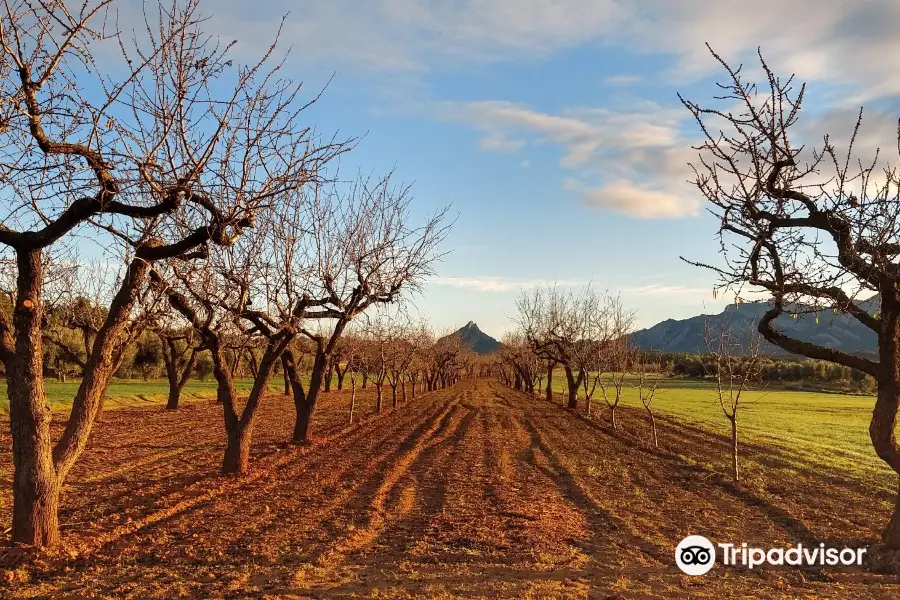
(499, 143)
(629, 199)
(830, 40)
(633, 160)
(693, 295)
(623, 80)
(499, 284)
(657, 289)
(620, 147)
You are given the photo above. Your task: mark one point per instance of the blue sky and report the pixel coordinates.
(553, 126)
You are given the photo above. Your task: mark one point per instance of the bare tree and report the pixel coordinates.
(148, 157)
(400, 352)
(422, 339)
(522, 368)
(817, 228)
(736, 364)
(649, 376)
(446, 359)
(352, 347)
(368, 251)
(594, 316)
(377, 338)
(179, 352)
(617, 353)
(549, 320)
(74, 319)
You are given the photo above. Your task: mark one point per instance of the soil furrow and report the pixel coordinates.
(476, 491)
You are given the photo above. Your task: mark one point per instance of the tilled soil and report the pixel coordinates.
(477, 491)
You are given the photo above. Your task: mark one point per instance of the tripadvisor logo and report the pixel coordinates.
(696, 555)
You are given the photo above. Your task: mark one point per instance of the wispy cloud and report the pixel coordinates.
(499, 284)
(692, 295)
(497, 142)
(636, 201)
(610, 150)
(622, 80)
(659, 289)
(841, 42)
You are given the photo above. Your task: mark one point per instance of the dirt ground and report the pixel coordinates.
(473, 492)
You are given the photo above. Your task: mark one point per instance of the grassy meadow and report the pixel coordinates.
(830, 430)
(135, 393)
(126, 393)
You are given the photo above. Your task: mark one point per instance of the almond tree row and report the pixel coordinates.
(587, 333)
(195, 179)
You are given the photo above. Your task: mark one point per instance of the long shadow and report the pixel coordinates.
(777, 514)
(431, 504)
(599, 518)
(364, 492)
(81, 563)
(767, 455)
(362, 501)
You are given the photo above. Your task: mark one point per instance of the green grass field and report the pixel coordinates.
(826, 429)
(126, 393)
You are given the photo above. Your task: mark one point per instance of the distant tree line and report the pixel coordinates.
(772, 369)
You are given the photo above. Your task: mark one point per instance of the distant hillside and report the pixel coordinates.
(476, 339)
(841, 332)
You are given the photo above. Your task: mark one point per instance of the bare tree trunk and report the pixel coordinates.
(40, 468)
(174, 397)
(573, 389)
(352, 397)
(178, 377)
(254, 367)
(239, 430)
(237, 450)
(305, 404)
(393, 395)
(236, 363)
(327, 379)
(734, 449)
(99, 415)
(340, 376)
(550, 382)
(612, 416)
(365, 381)
(172, 376)
(891, 532)
(653, 427)
(35, 483)
(302, 420)
(378, 397)
(883, 425)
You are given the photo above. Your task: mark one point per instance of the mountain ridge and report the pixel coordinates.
(825, 328)
(476, 339)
